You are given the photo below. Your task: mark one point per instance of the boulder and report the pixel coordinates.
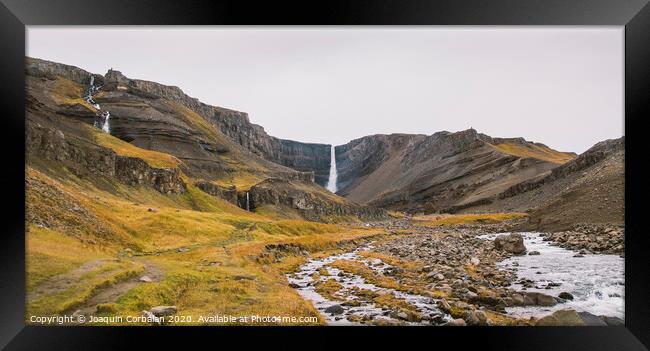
(533, 253)
(538, 299)
(458, 322)
(561, 318)
(512, 243)
(145, 279)
(151, 318)
(592, 320)
(565, 295)
(336, 309)
(161, 311)
(613, 321)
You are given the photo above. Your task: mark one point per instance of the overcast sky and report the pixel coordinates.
(562, 86)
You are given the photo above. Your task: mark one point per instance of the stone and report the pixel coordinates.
(565, 295)
(458, 322)
(334, 310)
(403, 315)
(475, 261)
(151, 318)
(443, 305)
(161, 311)
(512, 243)
(592, 320)
(533, 253)
(539, 299)
(561, 318)
(482, 317)
(613, 321)
(145, 279)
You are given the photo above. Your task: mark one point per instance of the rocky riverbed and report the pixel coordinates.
(462, 276)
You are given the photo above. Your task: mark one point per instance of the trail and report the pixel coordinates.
(113, 292)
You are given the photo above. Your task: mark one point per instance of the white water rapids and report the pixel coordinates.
(331, 183)
(596, 281)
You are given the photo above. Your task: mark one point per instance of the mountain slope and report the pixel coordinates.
(588, 189)
(155, 132)
(442, 172)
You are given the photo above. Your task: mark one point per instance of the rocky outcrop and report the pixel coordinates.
(135, 171)
(312, 202)
(82, 156)
(227, 193)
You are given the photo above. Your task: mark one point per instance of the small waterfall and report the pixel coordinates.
(331, 183)
(105, 127)
(248, 204)
(105, 115)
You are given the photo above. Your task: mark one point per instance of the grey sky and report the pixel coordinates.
(562, 86)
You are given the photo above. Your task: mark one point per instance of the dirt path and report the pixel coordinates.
(113, 292)
(64, 281)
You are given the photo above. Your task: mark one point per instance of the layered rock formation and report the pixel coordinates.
(312, 202)
(82, 157)
(443, 172)
(221, 152)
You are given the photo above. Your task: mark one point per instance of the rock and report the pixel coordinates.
(146, 279)
(565, 295)
(512, 243)
(538, 299)
(336, 309)
(482, 317)
(161, 311)
(294, 285)
(458, 322)
(561, 318)
(151, 318)
(475, 261)
(150, 209)
(517, 299)
(592, 320)
(613, 321)
(443, 305)
(403, 316)
(533, 253)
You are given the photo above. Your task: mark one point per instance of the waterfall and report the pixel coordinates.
(248, 206)
(92, 90)
(105, 127)
(331, 183)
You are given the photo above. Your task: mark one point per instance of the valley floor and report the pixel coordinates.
(229, 266)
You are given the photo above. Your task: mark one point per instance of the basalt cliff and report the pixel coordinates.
(149, 134)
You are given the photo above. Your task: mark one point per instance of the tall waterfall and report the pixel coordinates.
(331, 183)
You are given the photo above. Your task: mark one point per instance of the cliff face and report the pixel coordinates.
(306, 157)
(144, 134)
(137, 107)
(443, 172)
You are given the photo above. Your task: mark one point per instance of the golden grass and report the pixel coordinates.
(535, 151)
(328, 288)
(51, 253)
(68, 93)
(360, 269)
(435, 220)
(122, 148)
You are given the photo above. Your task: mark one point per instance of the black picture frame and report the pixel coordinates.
(633, 14)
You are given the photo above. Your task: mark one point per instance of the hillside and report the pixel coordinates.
(444, 172)
(588, 189)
